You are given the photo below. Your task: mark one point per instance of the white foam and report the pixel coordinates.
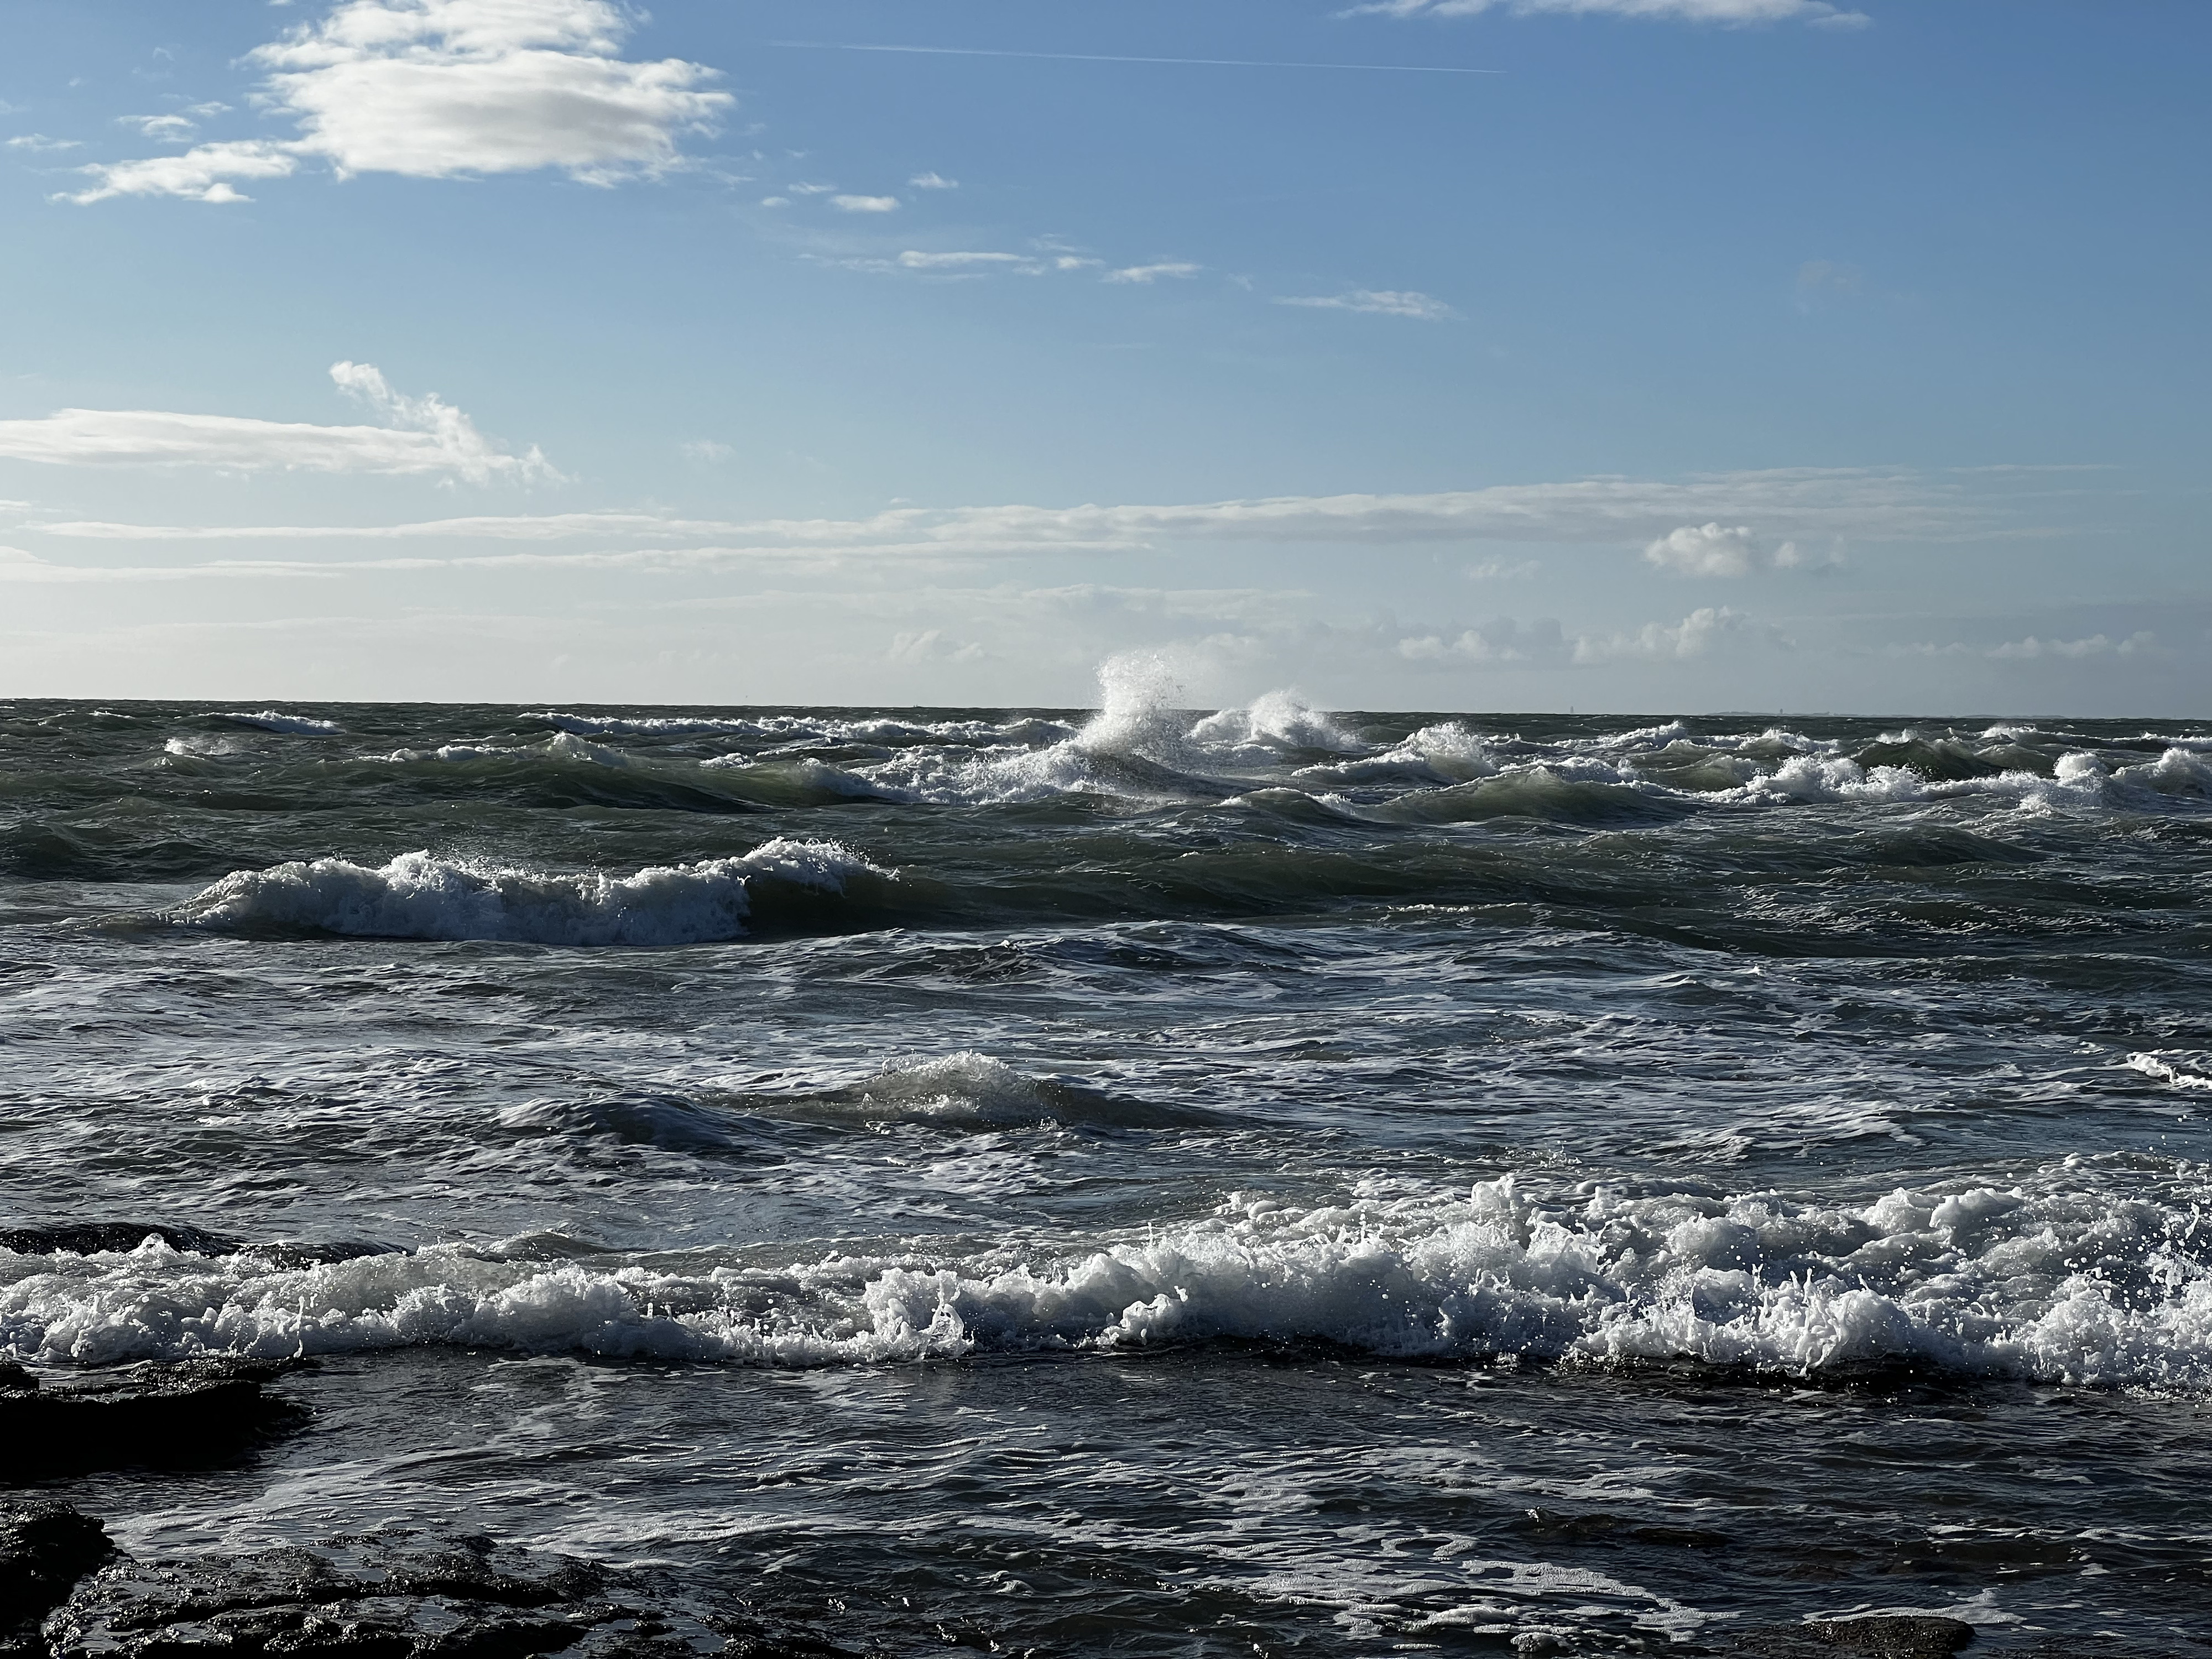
(2185, 772)
(269, 720)
(609, 725)
(1439, 755)
(560, 746)
(419, 895)
(199, 748)
(2065, 1278)
(2183, 1068)
(804, 730)
(1274, 721)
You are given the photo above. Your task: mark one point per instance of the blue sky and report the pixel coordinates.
(1692, 354)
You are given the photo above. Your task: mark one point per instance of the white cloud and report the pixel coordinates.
(931, 645)
(1152, 273)
(2096, 644)
(1862, 504)
(865, 203)
(1380, 302)
(1705, 550)
(38, 143)
(1498, 570)
(202, 173)
(776, 201)
(1717, 549)
(169, 129)
(1727, 12)
(933, 181)
(421, 435)
(706, 450)
(433, 88)
(1695, 635)
(1503, 640)
(810, 190)
(967, 262)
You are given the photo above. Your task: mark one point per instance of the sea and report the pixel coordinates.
(1146, 1181)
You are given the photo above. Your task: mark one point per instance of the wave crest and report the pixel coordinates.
(421, 896)
(2059, 1281)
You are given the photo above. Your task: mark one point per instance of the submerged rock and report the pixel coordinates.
(163, 1413)
(1879, 1635)
(96, 1237)
(102, 1237)
(390, 1596)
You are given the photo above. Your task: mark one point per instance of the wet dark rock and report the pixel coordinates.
(162, 1415)
(386, 1596)
(98, 1237)
(45, 1548)
(1879, 1635)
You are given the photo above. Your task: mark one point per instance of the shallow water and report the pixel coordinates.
(1147, 1182)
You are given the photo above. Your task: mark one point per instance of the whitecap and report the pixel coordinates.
(422, 896)
(1979, 1279)
(270, 719)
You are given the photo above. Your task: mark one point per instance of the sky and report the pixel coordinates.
(1640, 356)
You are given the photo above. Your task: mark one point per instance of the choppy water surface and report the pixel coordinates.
(1150, 1182)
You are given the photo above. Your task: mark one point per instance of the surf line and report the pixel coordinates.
(1107, 57)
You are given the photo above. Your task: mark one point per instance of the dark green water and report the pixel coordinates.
(1147, 1183)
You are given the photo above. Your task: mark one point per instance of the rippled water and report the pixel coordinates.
(1148, 1181)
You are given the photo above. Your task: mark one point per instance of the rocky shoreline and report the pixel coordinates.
(67, 1592)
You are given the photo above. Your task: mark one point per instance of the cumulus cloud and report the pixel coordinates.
(1504, 640)
(1717, 549)
(1695, 635)
(37, 144)
(933, 181)
(865, 203)
(419, 435)
(1152, 273)
(435, 88)
(1380, 302)
(1735, 13)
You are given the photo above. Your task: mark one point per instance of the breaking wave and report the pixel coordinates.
(269, 720)
(421, 896)
(2057, 1280)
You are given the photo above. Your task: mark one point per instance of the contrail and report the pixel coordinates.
(1103, 57)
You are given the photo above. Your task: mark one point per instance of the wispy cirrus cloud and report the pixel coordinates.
(1378, 302)
(1864, 505)
(420, 435)
(1143, 275)
(971, 262)
(1735, 13)
(436, 88)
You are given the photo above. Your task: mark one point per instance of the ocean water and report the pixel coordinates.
(1151, 1182)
